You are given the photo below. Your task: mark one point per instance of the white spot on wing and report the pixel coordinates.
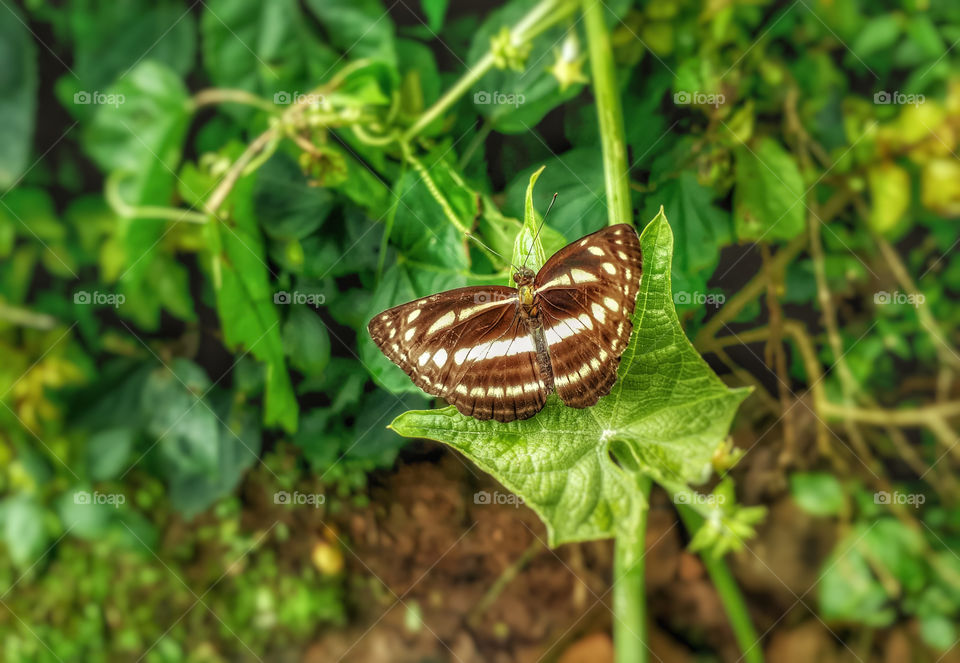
(599, 313)
(611, 303)
(609, 268)
(563, 279)
(440, 358)
(581, 276)
(424, 358)
(410, 333)
(413, 316)
(595, 250)
(442, 322)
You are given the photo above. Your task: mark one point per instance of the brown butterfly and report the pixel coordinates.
(498, 352)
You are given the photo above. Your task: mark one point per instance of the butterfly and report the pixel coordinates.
(498, 352)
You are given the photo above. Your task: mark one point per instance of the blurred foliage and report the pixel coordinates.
(174, 327)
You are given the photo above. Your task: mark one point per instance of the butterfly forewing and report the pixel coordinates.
(586, 294)
(469, 346)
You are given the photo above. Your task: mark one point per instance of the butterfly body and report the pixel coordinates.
(498, 352)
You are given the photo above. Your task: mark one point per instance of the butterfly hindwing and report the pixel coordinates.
(586, 294)
(469, 346)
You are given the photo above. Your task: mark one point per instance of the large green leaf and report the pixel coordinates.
(768, 201)
(664, 418)
(263, 47)
(18, 96)
(245, 299)
(138, 138)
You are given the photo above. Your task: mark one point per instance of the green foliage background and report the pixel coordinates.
(202, 205)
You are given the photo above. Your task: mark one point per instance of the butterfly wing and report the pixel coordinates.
(469, 346)
(586, 294)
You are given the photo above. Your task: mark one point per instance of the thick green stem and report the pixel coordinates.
(615, 172)
(730, 596)
(629, 606)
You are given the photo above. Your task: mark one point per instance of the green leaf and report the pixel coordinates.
(110, 37)
(527, 245)
(435, 11)
(263, 47)
(665, 416)
(139, 139)
(515, 101)
(286, 206)
(24, 531)
(245, 299)
(769, 200)
(108, 452)
(848, 589)
(306, 340)
(817, 493)
(701, 227)
(938, 631)
(186, 428)
(18, 96)
(359, 28)
(577, 177)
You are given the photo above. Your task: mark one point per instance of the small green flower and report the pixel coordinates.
(568, 67)
(507, 54)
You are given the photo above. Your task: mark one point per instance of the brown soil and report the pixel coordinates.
(423, 547)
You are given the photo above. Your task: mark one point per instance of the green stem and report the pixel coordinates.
(544, 14)
(629, 607)
(120, 206)
(730, 596)
(615, 172)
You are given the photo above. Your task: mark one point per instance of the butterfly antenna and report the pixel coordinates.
(540, 227)
(480, 242)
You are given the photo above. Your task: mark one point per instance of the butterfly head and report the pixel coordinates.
(523, 276)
